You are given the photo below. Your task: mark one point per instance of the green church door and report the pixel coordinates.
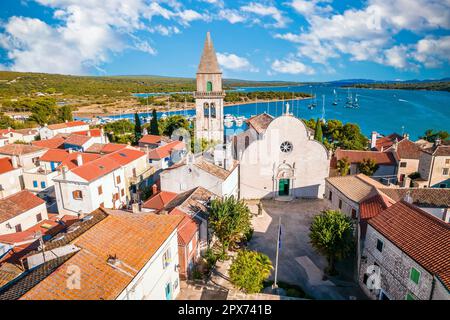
(283, 187)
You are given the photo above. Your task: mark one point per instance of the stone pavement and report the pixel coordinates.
(299, 263)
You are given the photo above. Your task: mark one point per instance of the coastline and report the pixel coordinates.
(143, 109)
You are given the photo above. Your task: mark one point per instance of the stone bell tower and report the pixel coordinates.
(209, 96)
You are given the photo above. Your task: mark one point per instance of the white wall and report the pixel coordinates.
(150, 282)
(32, 175)
(91, 199)
(47, 133)
(10, 182)
(26, 220)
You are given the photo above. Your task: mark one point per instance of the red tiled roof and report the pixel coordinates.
(66, 125)
(125, 156)
(92, 132)
(186, 229)
(159, 200)
(357, 156)
(5, 165)
(105, 148)
(420, 235)
(150, 138)
(164, 151)
(406, 149)
(77, 140)
(71, 159)
(373, 205)
(132, 239)
(96, 169)
(19, 149)
(53, 143)
(260, 122)
(54, 155)
(45, 227)
(385, 142)
(17, 204)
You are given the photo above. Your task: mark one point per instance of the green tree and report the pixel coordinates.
(249, 270)
(65, 113)
(137, 128)
(154, 128)
(5, 121)
(318, 133)
(343, 166)
(230, 221)
(368, 167)
(331, 234)
(170, 124)
(42, 114)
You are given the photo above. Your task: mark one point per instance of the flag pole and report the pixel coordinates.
(275, 284)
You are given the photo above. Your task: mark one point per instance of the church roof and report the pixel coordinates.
(208, 62)
(260, 122)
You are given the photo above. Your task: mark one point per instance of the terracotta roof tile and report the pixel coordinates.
(132, 239)
(96, 169)
(149, 138)
(386, 142)
(159, 200)
(71, 160)
(17, 204)
(355, 187)
(125, 156)
(6, 165)
(53, 143)
(77, 140)
(105, 148)
(187, 228)
(19, 149)
(418, 234)
(54, 155)
(211, 168)
(423, 197)
(260, 122)
(357, 156)
(165, 150)
(90, 132)
(66, 125)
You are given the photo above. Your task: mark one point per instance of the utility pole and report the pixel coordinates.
(275, 284)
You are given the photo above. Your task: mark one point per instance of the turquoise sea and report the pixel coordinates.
(384, 111)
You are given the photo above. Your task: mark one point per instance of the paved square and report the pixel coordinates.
(298, 261)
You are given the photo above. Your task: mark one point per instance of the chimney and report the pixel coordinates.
(446, 215)
(135, 207)
(373, 140)
(154, 189)
(437, 142)
(79, 159)
(89, 133)
(64, 170)
(14, 162)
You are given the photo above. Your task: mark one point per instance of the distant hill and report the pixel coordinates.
(13, 84)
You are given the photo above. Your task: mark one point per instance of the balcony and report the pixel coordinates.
(211, 94)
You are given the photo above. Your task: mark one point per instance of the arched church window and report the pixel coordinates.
(206, 110)
(247, 141)
(209, 86)
(213, 110)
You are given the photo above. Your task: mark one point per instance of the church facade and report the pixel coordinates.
(279, 159)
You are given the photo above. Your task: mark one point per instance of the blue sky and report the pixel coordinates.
(299, 40)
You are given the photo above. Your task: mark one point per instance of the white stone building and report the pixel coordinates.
(21, 211)
(49, 131)
(197, 171)
(406, 255)
(10, 177)
(434, 167)
(279, 159)
(27, 156)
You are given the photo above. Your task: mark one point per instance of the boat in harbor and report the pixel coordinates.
(240, 121)
(356, 103)
(349, 102)
(335, 98)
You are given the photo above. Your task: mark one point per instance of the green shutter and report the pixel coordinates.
(409, 296)
(209, 86)
(414, 276)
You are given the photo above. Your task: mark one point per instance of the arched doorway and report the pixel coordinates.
(284, 181)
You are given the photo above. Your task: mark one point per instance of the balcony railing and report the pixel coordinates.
(210, 94)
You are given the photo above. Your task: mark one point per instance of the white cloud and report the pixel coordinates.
(432, 51)
(291, 66)
(189, 15)
(267, 11)
(368, 34)
(234, 62)
(232, 16)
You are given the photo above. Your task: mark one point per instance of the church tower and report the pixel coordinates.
(209, 96)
